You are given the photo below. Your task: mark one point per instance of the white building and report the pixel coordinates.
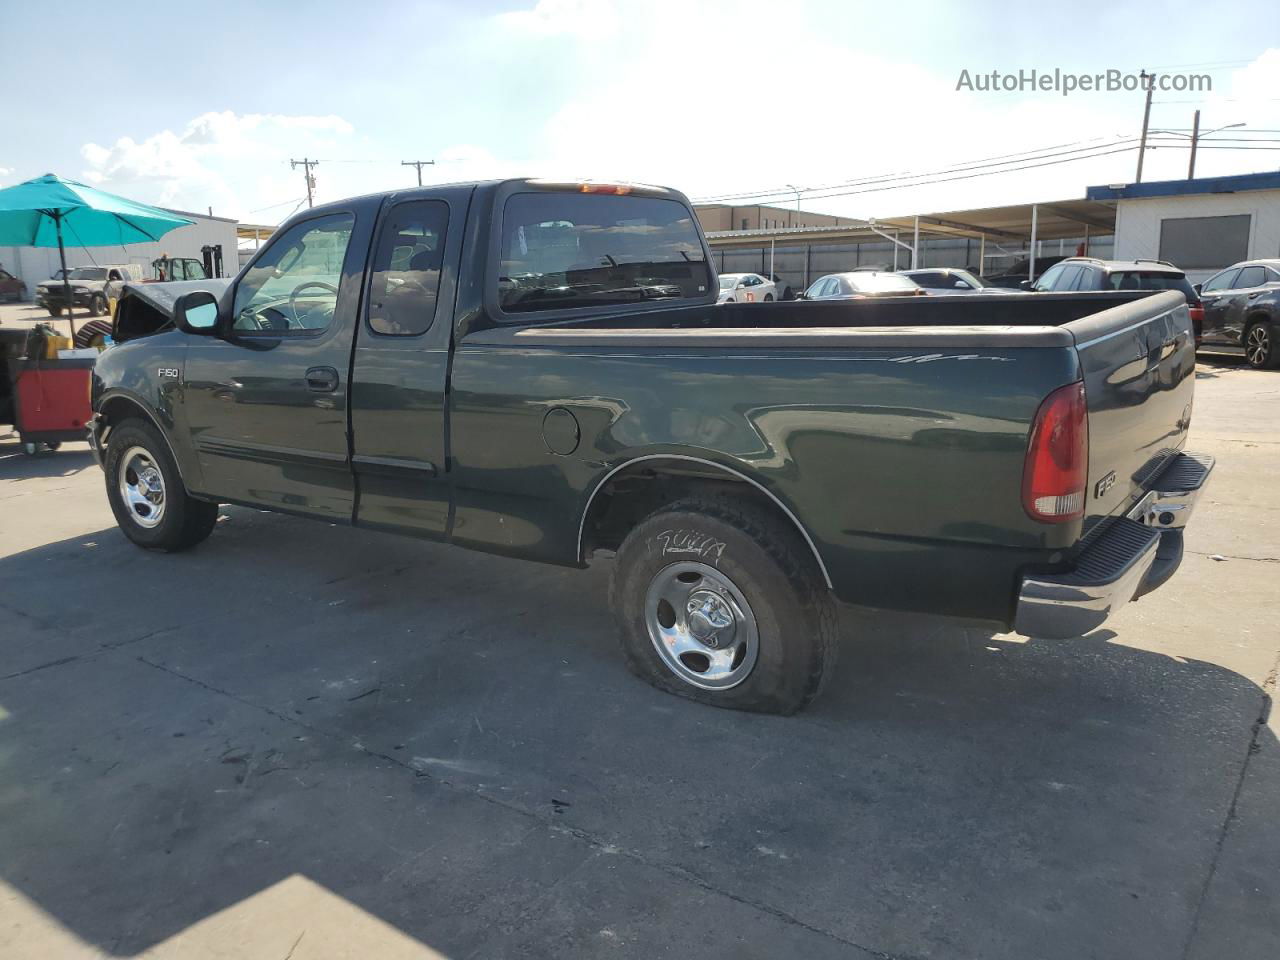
(34, 264)
(1199, 225)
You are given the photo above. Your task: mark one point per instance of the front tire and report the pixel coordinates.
(768, 298)
(55, 311)
(719, 601)
(97, 306)
(1260, 346)
(146, 492)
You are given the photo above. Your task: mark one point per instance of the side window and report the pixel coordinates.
(1067, 279)
(293, 287)
(1271, 277)
(1250, 277)
(1049, 278)
(113, 275)
(1221, 281)
(406, 269)
(1090, 279)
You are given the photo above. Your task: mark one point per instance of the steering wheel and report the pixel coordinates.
(293, 297)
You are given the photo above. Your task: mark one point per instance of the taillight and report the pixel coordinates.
(1197, 319)
(1057, 464)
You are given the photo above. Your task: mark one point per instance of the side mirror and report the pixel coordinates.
(1024, 284)
(196, 313)
(1197, 288)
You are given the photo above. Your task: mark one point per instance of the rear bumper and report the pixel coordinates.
(1134, 555)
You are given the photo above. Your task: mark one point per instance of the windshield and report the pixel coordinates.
(879, 282)
(575, 250)
(728, 283)
(88, 273)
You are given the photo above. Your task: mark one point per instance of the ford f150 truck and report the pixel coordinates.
(540, 370)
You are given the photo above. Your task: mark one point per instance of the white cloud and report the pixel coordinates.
(232, 162)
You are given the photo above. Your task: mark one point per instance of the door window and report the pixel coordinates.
(293, 288)
(406, 269)
(1221, 281)
(1049, 278)
(1250, 277)
(1067, 279)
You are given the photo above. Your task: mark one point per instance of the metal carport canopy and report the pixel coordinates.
(1054, 220)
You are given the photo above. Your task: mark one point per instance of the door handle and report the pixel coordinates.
(322, 379)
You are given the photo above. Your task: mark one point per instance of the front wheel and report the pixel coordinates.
(768, 298)
(147, 496)
(97, 306)
(55, 311)
(719, 601)
(1260, 346)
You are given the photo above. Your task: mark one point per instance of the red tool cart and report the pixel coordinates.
(48, 400)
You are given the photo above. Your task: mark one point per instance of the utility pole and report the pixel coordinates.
(419, 164)
(1195, 139)
(1149, 79)
(306, 165)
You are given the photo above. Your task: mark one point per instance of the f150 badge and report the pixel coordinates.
(1103, 485)
(168, 373)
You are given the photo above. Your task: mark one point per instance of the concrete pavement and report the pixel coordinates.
(315, 741)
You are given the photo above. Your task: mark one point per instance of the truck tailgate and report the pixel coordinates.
(1138, 364)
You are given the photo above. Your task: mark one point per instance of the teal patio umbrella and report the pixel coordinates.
(35, 213)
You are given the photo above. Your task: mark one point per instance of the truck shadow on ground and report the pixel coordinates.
(450, 742)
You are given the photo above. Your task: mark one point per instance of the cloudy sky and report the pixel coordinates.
(205, 108)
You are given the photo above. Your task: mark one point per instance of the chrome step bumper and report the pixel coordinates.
(1131, 557)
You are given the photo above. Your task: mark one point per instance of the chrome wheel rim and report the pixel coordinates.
(1259, 346)
(141, 487)
(701, 625)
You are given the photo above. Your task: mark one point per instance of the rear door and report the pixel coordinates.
(1248, 285)
(401, 365)
(267, 407)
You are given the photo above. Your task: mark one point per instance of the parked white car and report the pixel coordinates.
(746, 288)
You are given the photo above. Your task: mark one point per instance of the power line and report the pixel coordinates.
(1042, 153)
(419, 164)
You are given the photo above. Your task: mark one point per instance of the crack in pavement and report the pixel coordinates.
(577, 833)
(1233, 556)
(1264, 714)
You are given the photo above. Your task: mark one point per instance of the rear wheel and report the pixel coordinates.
(768, 298)
(719, 601)
(1260, 346)
(146, 492)
(55, 311)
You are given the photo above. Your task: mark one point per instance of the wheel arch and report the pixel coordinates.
(685, 470)
(115, 408)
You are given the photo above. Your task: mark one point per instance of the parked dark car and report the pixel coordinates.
(1090, 273)
(1017, 275)
(1242, 311)
(859, 284)
(11, 287)
(950, 282)
(541, 370)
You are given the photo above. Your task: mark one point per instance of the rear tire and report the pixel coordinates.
(768, 298)
(55, 311)
(146, 492)
(1260, 346)
(748, 623)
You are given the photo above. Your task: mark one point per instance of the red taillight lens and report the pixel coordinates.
(1197, 319)
(1057, 465)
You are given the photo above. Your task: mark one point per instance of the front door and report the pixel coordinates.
(401, 364)
(267, 406)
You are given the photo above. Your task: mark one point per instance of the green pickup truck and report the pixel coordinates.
(541, 370)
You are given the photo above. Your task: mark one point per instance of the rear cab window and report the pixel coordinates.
(565, 250)
(1151, 280)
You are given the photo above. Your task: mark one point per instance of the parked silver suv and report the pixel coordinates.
(88, 287)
